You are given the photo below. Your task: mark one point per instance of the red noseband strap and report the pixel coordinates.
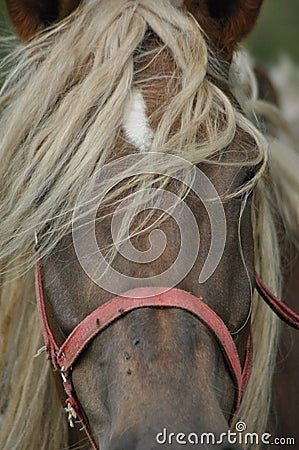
(116, 308)
(63, 358)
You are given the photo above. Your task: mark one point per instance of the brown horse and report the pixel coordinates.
(96, 84)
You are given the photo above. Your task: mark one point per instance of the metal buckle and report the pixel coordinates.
(71, 413)
(35, 239)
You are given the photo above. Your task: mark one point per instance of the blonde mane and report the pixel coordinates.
(63, 104)
(282, 138)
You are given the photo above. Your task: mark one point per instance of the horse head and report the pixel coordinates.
(152, 84)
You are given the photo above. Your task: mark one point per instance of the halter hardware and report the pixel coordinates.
(64, 357)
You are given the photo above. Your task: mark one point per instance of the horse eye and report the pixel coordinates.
(245, 196)
(250, 173)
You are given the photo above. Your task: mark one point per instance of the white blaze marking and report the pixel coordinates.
(135, 123)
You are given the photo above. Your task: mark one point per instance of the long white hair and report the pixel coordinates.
(63, 105)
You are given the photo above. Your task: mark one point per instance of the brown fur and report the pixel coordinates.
(31, 16)
(286, 380)
(132, 378)
(226, 23)
(148, 377)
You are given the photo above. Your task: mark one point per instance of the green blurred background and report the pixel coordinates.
(277, 31)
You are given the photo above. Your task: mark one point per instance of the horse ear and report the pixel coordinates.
(31, 16)
(226, 22)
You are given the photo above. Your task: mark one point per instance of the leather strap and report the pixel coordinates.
(49, 339)
(73, 405)
(284, 313)
(247, 368)
(116, 308)
(63, 358)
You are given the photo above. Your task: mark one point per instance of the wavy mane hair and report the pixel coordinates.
(63, 103)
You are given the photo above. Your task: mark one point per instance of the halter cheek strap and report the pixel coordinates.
(63, 358)
(284, 313)
(73, 407)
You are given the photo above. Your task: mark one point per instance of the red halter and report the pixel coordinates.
(63, 358)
